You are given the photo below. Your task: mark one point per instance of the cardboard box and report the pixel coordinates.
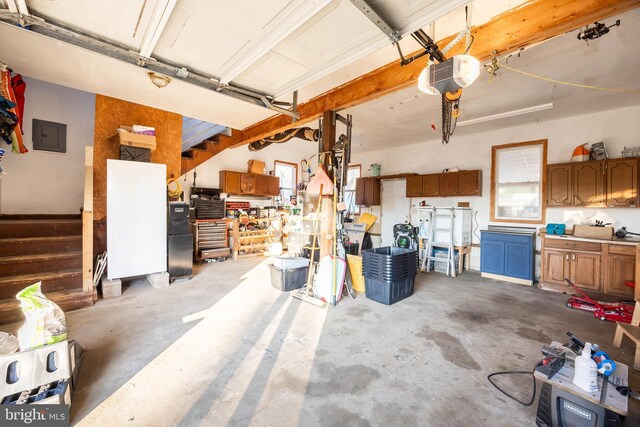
(125, 136)
(593, 232)
(256, 166)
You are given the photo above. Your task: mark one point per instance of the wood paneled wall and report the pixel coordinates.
(110, 113)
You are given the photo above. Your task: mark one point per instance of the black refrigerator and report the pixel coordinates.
(179, 241)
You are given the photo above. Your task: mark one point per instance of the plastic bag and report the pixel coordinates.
(44, 321)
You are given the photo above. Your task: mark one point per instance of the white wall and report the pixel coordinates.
(616, 128)
(42, 182)
(236, 160)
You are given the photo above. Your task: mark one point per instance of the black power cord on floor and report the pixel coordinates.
(533, 396)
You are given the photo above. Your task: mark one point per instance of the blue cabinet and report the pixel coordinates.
(508, 255)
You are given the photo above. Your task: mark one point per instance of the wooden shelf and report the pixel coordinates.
(256, 246)
(250, 255)
(254, 232)
(263, 238)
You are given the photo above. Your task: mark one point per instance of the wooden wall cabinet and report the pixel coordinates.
(273, 185)
(612, 182)
(414, 186)
(230, 182)
(430, 185)
(587, 183)
(368, 192)
(448, 184)
(622, 182)
(249, 183)
(462, 183)
(559, 185)
(469, 183)
(262, 184)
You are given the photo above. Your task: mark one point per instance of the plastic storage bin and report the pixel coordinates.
(389, 263)
(389, 292)
(441, 267)
(288, 279)
(288, 262)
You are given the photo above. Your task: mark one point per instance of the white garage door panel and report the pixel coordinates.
(114, 20)
(45, 59)
(336, 29)
(270, 72)
(336, 32)
(136, 218)
(198, 42)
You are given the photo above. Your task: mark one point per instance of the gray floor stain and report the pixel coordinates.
(330, 415)
(468, 316)
(504, 299)
(285, 380)
(350, 379)
(357, 311)
(393, 414)
(533, 335)
(450, 347)
(321, 352)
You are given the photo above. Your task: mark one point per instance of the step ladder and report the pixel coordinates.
(448, 245)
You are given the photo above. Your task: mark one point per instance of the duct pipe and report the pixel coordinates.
(305, 133)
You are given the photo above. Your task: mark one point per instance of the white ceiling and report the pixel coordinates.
(273, 46)
(405, 117)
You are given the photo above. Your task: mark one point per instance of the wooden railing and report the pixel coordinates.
(87, 223)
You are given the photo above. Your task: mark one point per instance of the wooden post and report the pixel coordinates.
(328, 137)
(327, 228)
(87, 223)
(637, 288)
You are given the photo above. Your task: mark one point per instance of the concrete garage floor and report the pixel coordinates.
(227, 349)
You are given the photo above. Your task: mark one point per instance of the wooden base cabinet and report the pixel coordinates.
(620, 267)
(598, 267)
(582, 268)
(555, 267)
(585, 270)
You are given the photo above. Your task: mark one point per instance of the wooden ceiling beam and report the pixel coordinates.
(531, 23)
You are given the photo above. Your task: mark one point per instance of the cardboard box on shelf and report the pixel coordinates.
(255, 166)
(125, 136)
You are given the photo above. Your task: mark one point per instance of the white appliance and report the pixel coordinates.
(136, 218)
(439, 215)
